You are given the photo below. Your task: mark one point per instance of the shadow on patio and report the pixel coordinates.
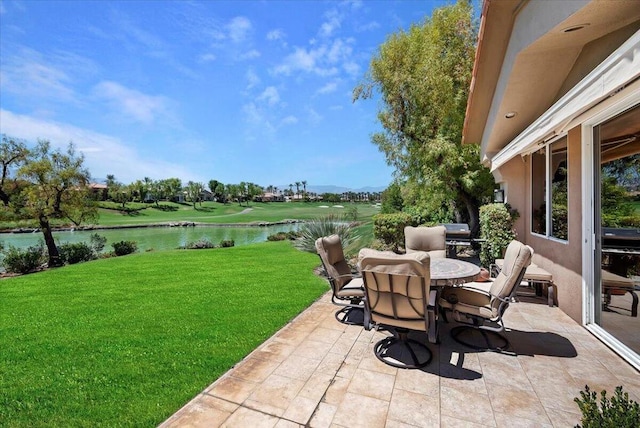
(317, 372)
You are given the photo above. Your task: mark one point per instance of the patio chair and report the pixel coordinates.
(347, 287)
(398, 299)
(536, 277)
(481, 306)
(617, 285)
(429, 239)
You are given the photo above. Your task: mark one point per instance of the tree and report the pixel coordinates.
(304, 189)
(194, 190)
(13, 153)
(297, 183)
(58, 189)
(423, 76)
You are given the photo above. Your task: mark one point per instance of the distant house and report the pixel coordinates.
(270, 197)
(206, 195)
(99, 191)
(555, 107)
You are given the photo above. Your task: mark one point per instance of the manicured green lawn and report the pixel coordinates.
(127, 341)
(214, 212)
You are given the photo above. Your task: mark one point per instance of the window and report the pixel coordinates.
(549, 183)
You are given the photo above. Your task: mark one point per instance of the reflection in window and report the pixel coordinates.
(559, 189)
(538, 192)
(549, 167)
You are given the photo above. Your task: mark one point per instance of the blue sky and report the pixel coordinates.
(256, 91)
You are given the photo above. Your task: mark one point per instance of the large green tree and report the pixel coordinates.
(423, 77)
(13, 153)
(58, 189)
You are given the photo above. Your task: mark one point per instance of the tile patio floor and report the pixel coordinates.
(317, 372)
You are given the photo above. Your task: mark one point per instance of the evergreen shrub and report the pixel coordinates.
(617, 412)
(226, 243)
(389, 228)
(496, 229)
(26, 260)
(123, 248)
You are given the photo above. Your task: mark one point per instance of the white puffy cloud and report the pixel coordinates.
(238, 29)
(104, 154)
(133, 104)
(270, 95)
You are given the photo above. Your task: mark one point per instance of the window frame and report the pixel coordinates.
(548, 191)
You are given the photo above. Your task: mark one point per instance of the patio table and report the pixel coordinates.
(448, 272)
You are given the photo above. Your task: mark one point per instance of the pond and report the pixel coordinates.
(156, 238)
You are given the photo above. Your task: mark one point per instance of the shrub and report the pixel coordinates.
(496, 228)
(199, 244)
(123, 248)
(389, 228)
(71, 253)
(352, 213)
(97, 242)
(26, 260)
(226, 243)
(617, 412)
(282, 236)
(324, 226)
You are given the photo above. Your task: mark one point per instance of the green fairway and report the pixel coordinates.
(214, 212)
(127, 341)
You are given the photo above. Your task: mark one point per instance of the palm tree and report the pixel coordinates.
(297, 187)
(304, 189)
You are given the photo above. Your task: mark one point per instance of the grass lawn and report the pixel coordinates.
(217, 213)
(127, 341)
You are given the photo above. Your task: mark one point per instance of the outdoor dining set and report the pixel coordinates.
(412, 292)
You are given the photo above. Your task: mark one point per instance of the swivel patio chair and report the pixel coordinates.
(481, 306)
(429, 239)
(347, 287)
(398, 299)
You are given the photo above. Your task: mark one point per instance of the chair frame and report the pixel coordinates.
(383, 348)
(478, 322)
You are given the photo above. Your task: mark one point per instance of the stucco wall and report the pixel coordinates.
(562, 259)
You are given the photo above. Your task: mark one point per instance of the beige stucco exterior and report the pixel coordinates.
(553, 66)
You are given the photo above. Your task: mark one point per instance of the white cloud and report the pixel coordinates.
(104, 154)
(208, 57)
(134, 104)
(328, 88)
(322, 60)
(252, 54)
(239, 28)
(29, 74)
(252, 79)
(333, 23)
(289, 120)
(270, 96)
(313, 116)
(274, 35)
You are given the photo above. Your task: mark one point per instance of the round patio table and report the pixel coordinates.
(452, 272)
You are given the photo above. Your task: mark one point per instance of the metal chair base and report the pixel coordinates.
(350, 315)
(401, 352)
(491, 340)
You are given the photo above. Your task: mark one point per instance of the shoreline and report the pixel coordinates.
(150, 225)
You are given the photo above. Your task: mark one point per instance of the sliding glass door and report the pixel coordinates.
(616, 273)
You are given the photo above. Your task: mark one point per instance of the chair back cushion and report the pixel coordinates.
(516, 259)
(431, 239)
(329, 249)
(397, 288)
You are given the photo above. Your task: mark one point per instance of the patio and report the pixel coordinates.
(317, 372)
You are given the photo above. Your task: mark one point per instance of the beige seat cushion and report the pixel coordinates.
(536, 273)
(352, 289)
(611, 280)
(429, 239)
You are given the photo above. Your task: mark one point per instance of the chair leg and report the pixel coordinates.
(401, 352)
(634, 304)
(550, 293)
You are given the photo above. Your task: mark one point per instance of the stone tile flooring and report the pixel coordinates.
(317, 372)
